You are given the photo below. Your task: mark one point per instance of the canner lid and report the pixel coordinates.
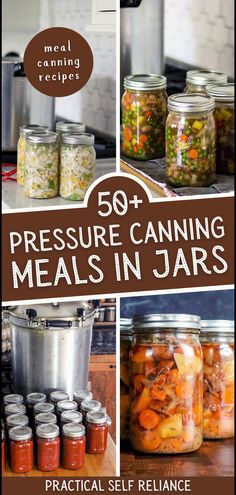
(154, 322)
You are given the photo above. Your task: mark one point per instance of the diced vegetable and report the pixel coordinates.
(170, 427)
(41, 170)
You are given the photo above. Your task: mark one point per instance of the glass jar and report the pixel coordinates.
(166, 384)
(13, 399)
(21, 449)
(97, 425)
(88, 406)
(16, 420)
(73, 448)
(14, 409)
(41, 165)
(224, 119)
(144, 112)
(217, 339)
(190, 141)
(77, 165)
(82, 395)
(125, 344)
(31, 400)
(66, 405)
(58, 395)
(45, 418)
(21, 145)
(197, 80)
(48, 447)
(71, 417)
(3, 452)
(43, 407)
(69, 127)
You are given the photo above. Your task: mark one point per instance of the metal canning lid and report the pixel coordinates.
(126, 326)
(25, 129)
(43, 407)
(73, 430)
(35, 398)
(14, 409)
(70, 127)
(195, 102)
(98, 418)
(67, 405)
(13, 399)
(58, 395)
(221, 92)
(82, 395)
(204, 77)
(152, 322)
(47, 431)
(90, 405)
(79, 313)
(45, 137)
(219, 326)
(76, 138)
(17, 420)
(71, 417)
(43, 418)
(144, 82)
(20, 433)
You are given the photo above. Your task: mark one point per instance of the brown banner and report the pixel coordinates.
(121, 242)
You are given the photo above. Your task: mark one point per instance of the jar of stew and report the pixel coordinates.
(97, 425)
(69, 127)
(89, 406)
(125, 344)
(190, 140)
(166, 384)
(45, 418)
(197, 80)
(58, 395)
(21, 145)
(21, 449)
(66, 405)
(223, 95)
(48, 447)
(77, 165)
(82, 395)
(13, 399)
(217, 339)
(144, 112)
(14, 409)
(41, 165)
(73, 448)
(31, 400)
(16, 420)
(44, 407)
(3, 451)
(71, 417)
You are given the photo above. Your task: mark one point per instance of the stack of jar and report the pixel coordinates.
(196, 137)
(60, 430)
(61, 162)
(176, 389)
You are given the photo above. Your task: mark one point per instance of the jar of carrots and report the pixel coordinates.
(217, 339)
(166, 384)
(125, 344)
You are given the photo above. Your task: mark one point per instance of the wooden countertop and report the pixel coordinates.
(214, 458)
(95, 465)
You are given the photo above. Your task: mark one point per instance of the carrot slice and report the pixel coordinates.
(150, 440)
(193, 154)
(184, 138)
(128, 134)
(158, 394)
(143, 138)
(148, 419)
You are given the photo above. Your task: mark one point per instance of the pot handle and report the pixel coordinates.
(58, 323)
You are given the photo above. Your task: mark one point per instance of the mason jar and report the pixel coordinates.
(66, 405)
(166, 384)
(41, 165)
(21, 145)
(73, 446)
(58, 395)
(21, 449)
(223, 95)
(16, 420)
(13, 399)
(48, 447)
(217, 339)
(14, 409)
(70, 127)
(31, 400)
(80, 395)
(144, 112)
(89, 406)
(125, 344)
(97, 427)
(197, 80)
(190, 140)
(43, 407)
(45, 418)
(77, 165)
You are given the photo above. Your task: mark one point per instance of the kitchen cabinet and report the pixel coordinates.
(103, 16)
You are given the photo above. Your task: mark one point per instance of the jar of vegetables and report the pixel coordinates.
(197, 80)
(21, 449)
(144, 111)
(166, 384)
(224, 119)
(21, 145)
(70, 127)
(48, 447)
(97, 426)
(125, 344)
(190, 140)
(41, 165)
(217, 339)
(77, 165)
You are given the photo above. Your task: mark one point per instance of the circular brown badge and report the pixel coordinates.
(58, 61)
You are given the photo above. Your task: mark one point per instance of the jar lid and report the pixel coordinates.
(13, 399)
(70, 127)
(204, 77)
(144, 82)
(58, 395)
(25, 129)
(67, 405)
(151, 322)
(73, 430)
(126, 326)
(20, 433)
(195, 102)
(14, 409)
(35, 398)
(82, 395)
(17, 420)
(71, 417)
(73, 138)
(43, 418)
(41, 137)
(219, 326)
(221, 92)
(47, 431)
(43, 407)
(98, 417)
(90, 405)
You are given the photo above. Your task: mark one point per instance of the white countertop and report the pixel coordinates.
(13, 197)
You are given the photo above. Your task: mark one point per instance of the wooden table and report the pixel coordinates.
(214, 458)
(95, 465)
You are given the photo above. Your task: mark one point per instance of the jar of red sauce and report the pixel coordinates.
(21, 449)
(88, 406)
(45, 418)
(13, 399)
(16, 420)
(3, 452)
(58, 395)
(65, 405)
(31, 401)
(14, 409)
(82, 395)
(71, 417)
(74, 442)
(43, 407)
(97, 425)
(48, 447)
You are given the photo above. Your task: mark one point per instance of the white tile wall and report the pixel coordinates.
(201, 33)
(95, 103)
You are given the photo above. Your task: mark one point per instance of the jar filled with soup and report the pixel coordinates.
(224, 119)
(166, 384)
(197, 80)
(21, 146)
(144, 111)
(125, 344)
(190, 140)
(41, 165)
(217, 339)
(77, 165)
